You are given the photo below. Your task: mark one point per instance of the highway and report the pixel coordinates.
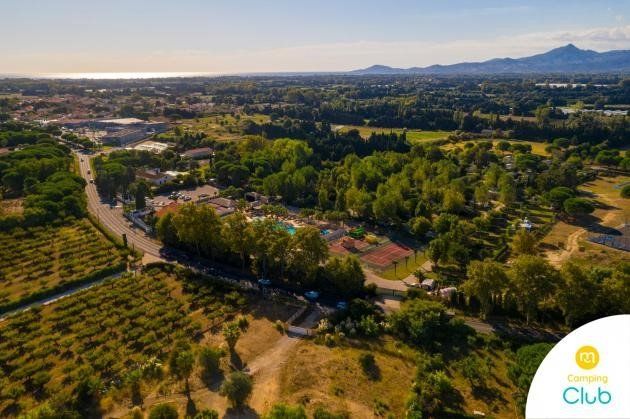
(111, 217)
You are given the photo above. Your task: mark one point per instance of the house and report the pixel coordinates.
(255, 199)
(153, 176)
(428, 284)
(223, 206)
(198, 153)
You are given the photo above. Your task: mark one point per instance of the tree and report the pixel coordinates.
(181, 361)
(164, 411)
(419, 226)
(524, 243)
(237, 235)
(285, 411)
(507, 189)
(207, 414)
(307, 250)
(625, 191)
(578, 206)
(482, 194)
(486, 280)
(437, 250)
(141, 190)
(578, 294)
(209, 359)
(345, 275)
(528, 359)
(419, 321)
(558, 195)
(199, 227)
(166, 230)
(474, 370)
(237, 388)
(231, 333)
(532, 281)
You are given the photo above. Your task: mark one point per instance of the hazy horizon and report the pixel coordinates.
(244, 37)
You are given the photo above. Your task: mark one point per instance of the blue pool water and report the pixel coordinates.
(288, 227)
(325, 232)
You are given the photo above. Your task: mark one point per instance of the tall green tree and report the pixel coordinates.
(532, 281)
(486, 281)
(237, 235)
(307, 250)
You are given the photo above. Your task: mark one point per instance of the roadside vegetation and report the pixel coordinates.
(39, 261)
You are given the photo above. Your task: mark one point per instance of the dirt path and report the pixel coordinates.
(572, 245)
(264, 368)
(557, 258)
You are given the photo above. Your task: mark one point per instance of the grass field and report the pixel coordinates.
(569, 240)
(38, 260)
(319, 376)
(537, 147)
(404, 269)
(413, 135)
(222, 128)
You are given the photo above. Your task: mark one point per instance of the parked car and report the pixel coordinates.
(264, 282)
(311, 295)
(342, 305)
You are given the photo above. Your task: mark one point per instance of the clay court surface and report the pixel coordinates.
(383, 256)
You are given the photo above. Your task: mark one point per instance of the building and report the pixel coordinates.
(124, 136)
(198, 153)
(151, 146)
(153, 176)
(120, 131)
(223, 206)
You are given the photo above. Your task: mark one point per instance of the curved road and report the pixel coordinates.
(112, 218)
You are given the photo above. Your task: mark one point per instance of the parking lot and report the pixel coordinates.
(194, 194)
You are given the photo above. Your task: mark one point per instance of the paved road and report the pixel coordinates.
(112, 218)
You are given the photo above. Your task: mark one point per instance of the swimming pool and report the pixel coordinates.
(325, 232)
(288, 227)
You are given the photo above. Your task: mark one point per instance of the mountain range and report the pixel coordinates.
(567, 59)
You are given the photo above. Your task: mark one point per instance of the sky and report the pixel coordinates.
(244, 36)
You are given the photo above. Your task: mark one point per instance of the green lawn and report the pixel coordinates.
(413, 135)
(403, 269)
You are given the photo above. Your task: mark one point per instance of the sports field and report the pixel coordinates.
(383, 256)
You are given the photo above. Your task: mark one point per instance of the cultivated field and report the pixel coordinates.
(38, 260)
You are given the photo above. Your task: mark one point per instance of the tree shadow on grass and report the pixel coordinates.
(191, 408)
(243, 412)
(236, 363)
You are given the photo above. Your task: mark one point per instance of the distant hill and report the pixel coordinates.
(567, 59)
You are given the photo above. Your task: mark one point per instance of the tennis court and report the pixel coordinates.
(383, 256)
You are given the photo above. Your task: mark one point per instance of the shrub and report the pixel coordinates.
(242, 322)
(237, 388)
(321, 413)
(207, 414)
(284, 411)
(625, 191)
(163, 411)
(369, 366)
(231, 333)
(209, 359)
